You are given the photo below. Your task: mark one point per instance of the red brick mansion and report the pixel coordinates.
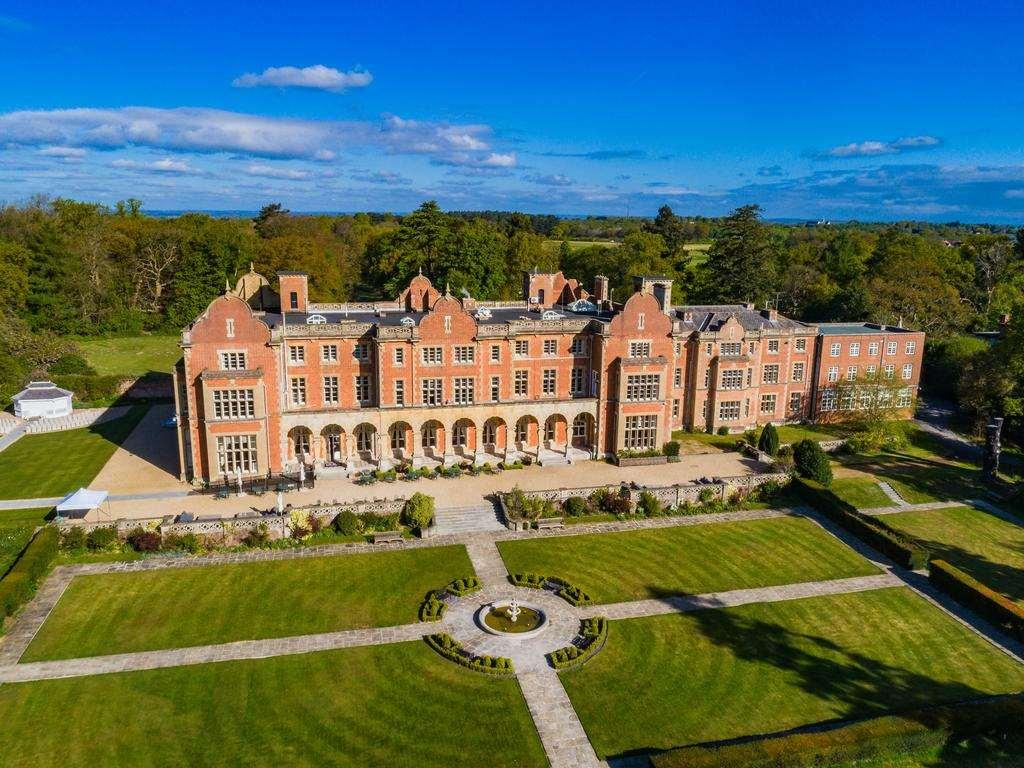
(269, 379)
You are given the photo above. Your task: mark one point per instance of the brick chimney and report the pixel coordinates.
(600, 289)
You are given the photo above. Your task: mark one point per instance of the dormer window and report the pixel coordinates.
(550, 314)
(483, 313)
(316, 320)
(408, 322)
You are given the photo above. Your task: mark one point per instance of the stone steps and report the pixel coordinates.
(466, 520)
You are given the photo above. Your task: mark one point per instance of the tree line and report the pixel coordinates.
(72, 268)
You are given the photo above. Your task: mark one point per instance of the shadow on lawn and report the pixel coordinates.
(1004, 578)
(936, 479)
(861, 686)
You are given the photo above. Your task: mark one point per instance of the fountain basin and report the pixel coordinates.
(494, 618)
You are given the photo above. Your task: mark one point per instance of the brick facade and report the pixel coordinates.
(432, 378)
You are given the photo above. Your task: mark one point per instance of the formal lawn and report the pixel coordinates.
(679, 679)
(689, 559)
(202, 605)
(392, 705)
(861, 492)
(131, 356)
(55, 463)
(988, 548)
(922, 472)
(16, 528)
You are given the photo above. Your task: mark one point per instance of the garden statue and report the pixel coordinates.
(514, 610)
(990, 457)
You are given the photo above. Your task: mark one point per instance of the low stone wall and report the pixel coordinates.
(668, 495)
(639, 461)
(85, 417)
(233, 529)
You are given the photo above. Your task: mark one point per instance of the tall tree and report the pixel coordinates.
(742, 263)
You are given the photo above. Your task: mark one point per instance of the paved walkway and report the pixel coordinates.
(904, 507)
(889, 491)
(560, 730)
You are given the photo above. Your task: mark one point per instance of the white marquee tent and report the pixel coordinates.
(81, 502)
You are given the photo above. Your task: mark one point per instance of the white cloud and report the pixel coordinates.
(194, 129)
(380, 177)
(875, 148)
(65, 152)
(274, 172)
(164, 165)
(1014, 194)
(548, 180)
(317, 77)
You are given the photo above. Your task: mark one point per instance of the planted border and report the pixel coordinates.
(902, 549)
(564, 589)
(21, 581)
(451, 649)
(862, 740)
(988, 603)
(593, 635)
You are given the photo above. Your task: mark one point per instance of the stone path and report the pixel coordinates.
(560, 730)
(487, 562)
(889, 491)
(205, 654)
(685, 603)
(32, 616)
(905, 507)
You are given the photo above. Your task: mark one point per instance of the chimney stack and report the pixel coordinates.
(600, 289)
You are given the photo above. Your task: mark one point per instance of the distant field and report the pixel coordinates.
(131, 355)
(554, 245)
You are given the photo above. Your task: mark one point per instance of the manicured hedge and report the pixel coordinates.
(465, 586)
(902, 549)
(91, 388)
(452, 650)
(892, 735)
(594, 632)
(18, 586)
(564, 589)
(987, 603)
(433, 608)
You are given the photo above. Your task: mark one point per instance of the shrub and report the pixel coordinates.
(347, 523)
(769, 440)
(88, 388)
(529, 580)
(144, 541)
(812, 462)
(73, 539)
(704, 495)
(451, 649)
(433, 608)
(988, 603)
(519, 506)
(72, 364)
(102, 539)
(574, 595)
(723, 430)
(187, 542)
(593, 634)
(671, 448)
(258, 536)
(373, 521)
(876, 740)
(464, 586)
(649, 506)
(419, 511)
(18, 586)
(575, 506)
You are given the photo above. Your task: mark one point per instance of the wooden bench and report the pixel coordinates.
(386, 537)
(549, 523)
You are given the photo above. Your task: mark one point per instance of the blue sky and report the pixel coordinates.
(814, 110)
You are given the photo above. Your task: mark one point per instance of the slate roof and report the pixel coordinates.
(41, 390)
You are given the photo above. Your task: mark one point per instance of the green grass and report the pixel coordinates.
(395, 705)
(678, 679)
(16, 528)
(55, 463)
(131, 356)
(722, 442)
(794, 433)
(201, 605)
(988, 548)
(689, 559)
(552, 246)
(862, 493)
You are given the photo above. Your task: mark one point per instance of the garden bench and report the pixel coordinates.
(549, 523)
(386, 537)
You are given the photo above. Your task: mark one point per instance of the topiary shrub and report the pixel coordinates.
(72, 365)
(575, 506)
(671, 448)
(723, 430)
(812, 462)
(419, 511)
(769, 440)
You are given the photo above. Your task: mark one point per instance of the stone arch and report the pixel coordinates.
(555, 430)
(583, 430)
(527, 433)
(365, 439)
(333, 448)
(300, 444)
(464, 437)
(400, 439)
(432, 438)
(494, 435)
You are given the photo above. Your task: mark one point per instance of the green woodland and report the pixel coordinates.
(71, 269)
